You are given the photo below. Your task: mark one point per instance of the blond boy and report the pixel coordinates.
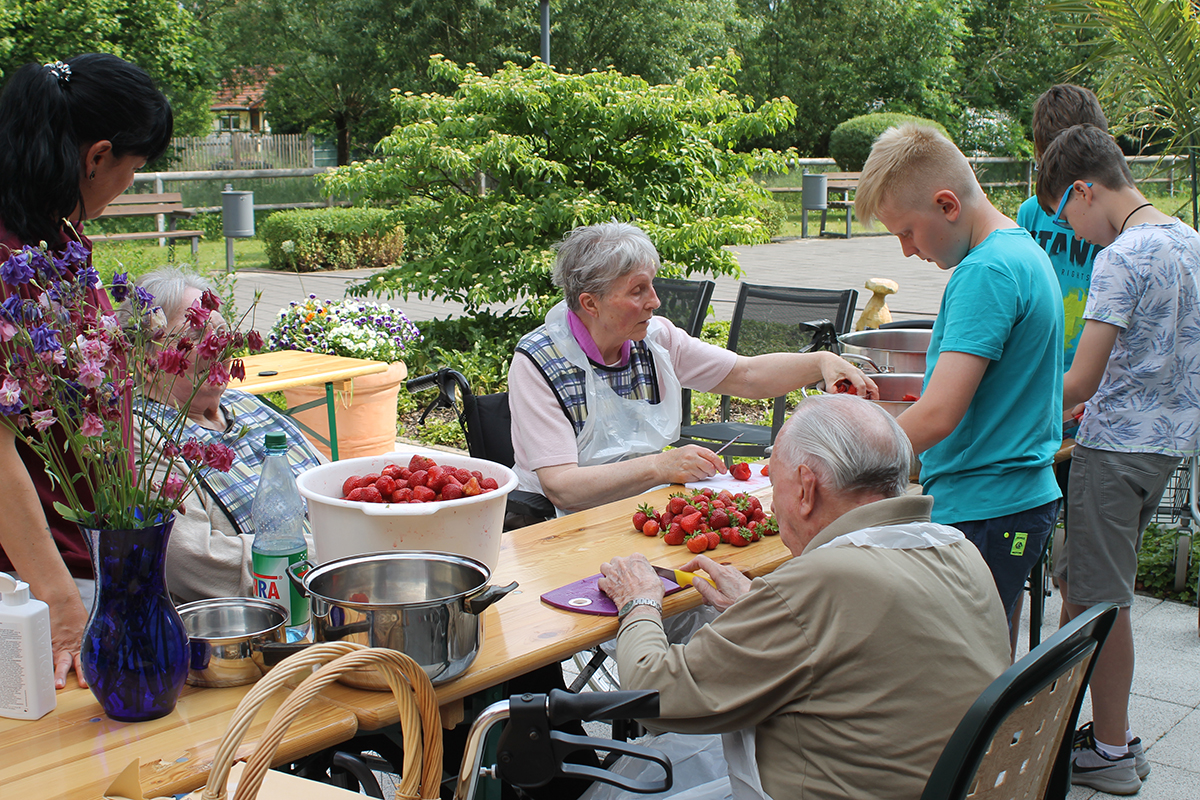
(988, 422)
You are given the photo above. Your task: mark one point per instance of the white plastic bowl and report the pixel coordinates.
(469, 526)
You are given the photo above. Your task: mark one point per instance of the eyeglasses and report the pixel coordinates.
(1062, 205)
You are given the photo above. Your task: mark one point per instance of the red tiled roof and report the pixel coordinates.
(244, 97)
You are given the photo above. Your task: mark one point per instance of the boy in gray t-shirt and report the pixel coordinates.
(1136, 368)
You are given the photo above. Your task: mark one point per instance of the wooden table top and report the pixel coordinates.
(297, 368)
(75, 752)
(522, 633)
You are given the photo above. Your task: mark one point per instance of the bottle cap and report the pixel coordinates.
(14, 592)
(276, 441)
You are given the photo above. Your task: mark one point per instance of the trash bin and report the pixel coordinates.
(812, 198)
(237, 219)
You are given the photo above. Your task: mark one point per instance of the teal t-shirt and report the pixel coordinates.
(1001, 303)
(1072, 260)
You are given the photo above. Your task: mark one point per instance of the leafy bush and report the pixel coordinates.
(348, 328)
(305, 240)
(557, 151)
(993, 132)
(1156, 564)
(850, 143)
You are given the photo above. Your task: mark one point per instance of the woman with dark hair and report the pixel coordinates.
(72, 135)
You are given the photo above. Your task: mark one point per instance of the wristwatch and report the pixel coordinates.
(638, 601)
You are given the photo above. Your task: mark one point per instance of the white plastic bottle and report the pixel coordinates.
(278, 514)
(26, 661)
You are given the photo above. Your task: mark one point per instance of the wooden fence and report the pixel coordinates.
(243, 151)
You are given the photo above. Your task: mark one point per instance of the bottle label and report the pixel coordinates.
(271, 583)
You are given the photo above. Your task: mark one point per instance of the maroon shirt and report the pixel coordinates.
(70, 542)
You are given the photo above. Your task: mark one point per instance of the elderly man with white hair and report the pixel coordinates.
(854, 660)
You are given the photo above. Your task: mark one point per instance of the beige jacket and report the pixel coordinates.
(855, 664)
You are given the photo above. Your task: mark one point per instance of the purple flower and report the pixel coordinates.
(40, 263)
(143, 299)
(17, 271)
(11, 309)
(45, 339)
(118, 290)
(88, 277)
(72, 256)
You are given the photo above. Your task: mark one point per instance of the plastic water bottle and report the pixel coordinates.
(278, 514)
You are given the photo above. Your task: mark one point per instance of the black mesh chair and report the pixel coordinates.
(685, 303)
(487, 424)
(768, 319)
(1015, 740)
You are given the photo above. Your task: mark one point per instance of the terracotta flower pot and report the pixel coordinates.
(366, 415)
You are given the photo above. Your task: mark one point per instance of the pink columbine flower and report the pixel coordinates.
(10, 392)
(218, 375)
(238, 369)
(213, 345)
(170, 449)
(110, 323)
(254, 340)
(42, 420)
(173, 361)
(91, 374)
(172, 486)
(210, 301)
(192, 450)
(219, 457)
(197, 316)
(7, 331)
(92, 425)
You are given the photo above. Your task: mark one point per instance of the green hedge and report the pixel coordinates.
(850, 143)
(306, 240)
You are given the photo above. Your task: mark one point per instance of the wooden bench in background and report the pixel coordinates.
(169, 204)
(844, 183)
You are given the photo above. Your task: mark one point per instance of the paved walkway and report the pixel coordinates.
(1165, 709)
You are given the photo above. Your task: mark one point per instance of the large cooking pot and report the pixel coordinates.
(426, 605)
(892, 349)
(227, 636)
(894, 387)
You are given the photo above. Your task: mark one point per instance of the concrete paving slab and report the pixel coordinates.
(1177, 748)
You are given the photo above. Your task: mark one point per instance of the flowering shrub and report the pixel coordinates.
(67, 378)
(347, 328)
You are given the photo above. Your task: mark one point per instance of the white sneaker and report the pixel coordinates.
(1090, 767)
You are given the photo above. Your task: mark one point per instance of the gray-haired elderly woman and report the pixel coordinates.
(209, 551)
(600, 382)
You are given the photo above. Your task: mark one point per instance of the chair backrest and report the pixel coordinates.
(1015, 740)
(685, 303)
(765, 319)
(487, 423)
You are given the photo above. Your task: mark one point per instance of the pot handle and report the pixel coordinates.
(296, 573)
(386, 510)
(489, 595)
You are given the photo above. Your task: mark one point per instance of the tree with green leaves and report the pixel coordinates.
(160, 36)
(1147, 57)
(488, 179)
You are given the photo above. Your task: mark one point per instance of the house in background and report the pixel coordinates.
(239, 109)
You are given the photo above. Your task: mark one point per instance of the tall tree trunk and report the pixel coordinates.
(343, 140)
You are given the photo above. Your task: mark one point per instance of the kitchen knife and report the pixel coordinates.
(679, 576)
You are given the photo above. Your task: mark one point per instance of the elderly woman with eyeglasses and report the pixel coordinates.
(595, 392)
(209, 550)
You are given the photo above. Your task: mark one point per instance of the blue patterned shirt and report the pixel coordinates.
(1147, 283)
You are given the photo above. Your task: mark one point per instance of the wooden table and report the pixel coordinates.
(76, 752)
(286, 369)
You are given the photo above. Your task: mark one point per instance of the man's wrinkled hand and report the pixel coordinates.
(728, 584)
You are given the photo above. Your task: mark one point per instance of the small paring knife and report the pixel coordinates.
(680, 577)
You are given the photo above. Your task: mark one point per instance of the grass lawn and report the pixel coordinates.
(138, 258)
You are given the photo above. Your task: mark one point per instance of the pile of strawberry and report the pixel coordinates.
(422, 481)
(703, 520)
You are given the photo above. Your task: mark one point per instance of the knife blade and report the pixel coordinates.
(679, 576)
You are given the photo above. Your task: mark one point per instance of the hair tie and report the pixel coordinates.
(60, 70)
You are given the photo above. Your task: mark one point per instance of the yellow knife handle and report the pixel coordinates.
(688, 578)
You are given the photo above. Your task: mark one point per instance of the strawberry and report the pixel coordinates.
(740, 471)
(368, 480)
(724, 534)
(423, 494)
(769, 527)
(740, 537)
(697, 543)
(766, 470)
(719, 518)
(758, 515)
(419, 462)
(471, 487)
(386, 485)
(707, 492)
(489, 484)
(405, 474)
(391, 470)
(644, 512)
(478, 475)
(462, 475)
(911, 398)
(418, 478)
(691, 522)
(355, 494)
(650, 528)
(371, 494)
(665, 519)
(688, 510)
(436, 477)
(844, 386)
(451, 491)
(714, 539)
(676, 505)
(675, 534)
(349, 485)
(739, 518)
(402, 495)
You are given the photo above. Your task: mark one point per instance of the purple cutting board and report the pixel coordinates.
(585, 597)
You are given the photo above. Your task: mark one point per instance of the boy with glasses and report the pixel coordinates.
(1137, 367)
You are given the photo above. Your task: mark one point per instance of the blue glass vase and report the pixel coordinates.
(135, 647)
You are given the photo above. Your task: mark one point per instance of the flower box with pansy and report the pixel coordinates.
(68, 384)
(351, 328)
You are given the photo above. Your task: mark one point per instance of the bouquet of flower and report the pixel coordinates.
(347, 328)
(67, 384)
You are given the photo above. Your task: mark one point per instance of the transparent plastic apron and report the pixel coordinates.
(618, 428)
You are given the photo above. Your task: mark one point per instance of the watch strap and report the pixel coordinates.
(638, 601)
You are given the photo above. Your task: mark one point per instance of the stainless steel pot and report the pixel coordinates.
(227, 636)
(427, 605)
(894, 387)
(892, 349)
